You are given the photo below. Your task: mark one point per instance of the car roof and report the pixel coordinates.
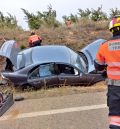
(49, 53)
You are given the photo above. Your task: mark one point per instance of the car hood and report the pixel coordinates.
(90, 53)
(10, 49)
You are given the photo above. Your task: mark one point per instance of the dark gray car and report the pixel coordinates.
(51, 65)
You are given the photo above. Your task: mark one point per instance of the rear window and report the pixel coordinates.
(24, 59)
(20, 61)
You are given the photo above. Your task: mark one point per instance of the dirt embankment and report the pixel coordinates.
(77, 36)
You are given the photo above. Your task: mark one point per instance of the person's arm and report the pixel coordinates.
(99, 62)
(98, 66)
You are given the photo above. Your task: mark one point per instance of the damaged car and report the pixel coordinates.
(54, 65)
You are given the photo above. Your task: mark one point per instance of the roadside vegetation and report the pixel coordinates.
(29, 93)
(86, 26)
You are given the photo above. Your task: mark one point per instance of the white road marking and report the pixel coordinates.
(51, 112)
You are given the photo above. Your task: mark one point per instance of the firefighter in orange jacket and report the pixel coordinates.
(34, 40)
(108, 56)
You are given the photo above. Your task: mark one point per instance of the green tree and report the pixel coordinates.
(73, 18)
(47, 18)
(98, 15)
(114, 12)
(84, 13)
(32, 20)
(8, 21)
(65, 18)
(50, 17)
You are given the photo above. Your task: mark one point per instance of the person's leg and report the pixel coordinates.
(114, 127)
(30, 45)
(113, 101)
(37, 43)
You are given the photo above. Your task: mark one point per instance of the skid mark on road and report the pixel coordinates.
(53, 112)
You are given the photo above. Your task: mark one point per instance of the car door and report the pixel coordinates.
(92, 78)
(89, 78)
(43, 76)
(81, 79)
(68, 75)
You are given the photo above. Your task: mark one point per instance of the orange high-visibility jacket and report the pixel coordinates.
(33, 38)
(109, 53)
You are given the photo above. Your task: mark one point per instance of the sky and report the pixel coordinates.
(62, 7)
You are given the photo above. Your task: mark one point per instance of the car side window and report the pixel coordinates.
(66, 69)
(34, 74)
(42, 71)
(46, 70)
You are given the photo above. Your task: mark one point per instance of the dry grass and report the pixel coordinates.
(60, 91)
(76, 37)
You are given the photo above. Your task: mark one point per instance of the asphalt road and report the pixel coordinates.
(78, 111)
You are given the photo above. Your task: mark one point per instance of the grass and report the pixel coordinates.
(65, 90)
(53, 92)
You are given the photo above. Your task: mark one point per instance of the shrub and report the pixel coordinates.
(22, 46)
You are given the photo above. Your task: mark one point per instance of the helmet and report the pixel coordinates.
(115, 22)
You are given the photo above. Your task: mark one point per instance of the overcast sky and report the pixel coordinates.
(63, 7)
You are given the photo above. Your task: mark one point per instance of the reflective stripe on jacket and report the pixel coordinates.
(114, 120)
(34, 38)
(113, 82)
(109, 53)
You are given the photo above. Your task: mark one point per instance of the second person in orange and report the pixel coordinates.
(34, 40)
